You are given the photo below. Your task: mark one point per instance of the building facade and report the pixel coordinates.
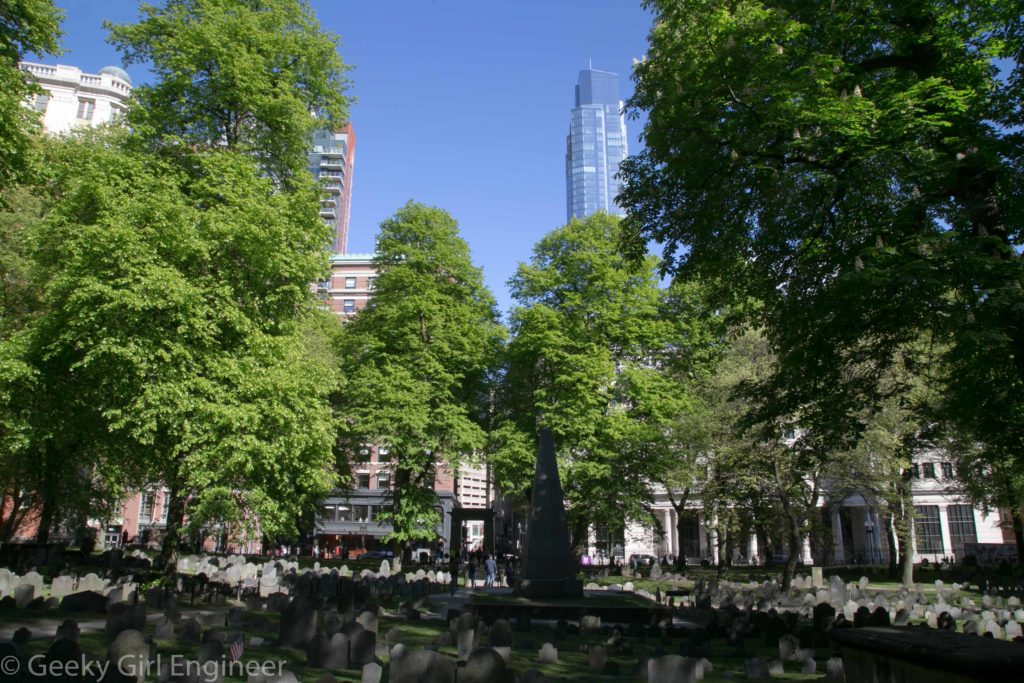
(74, 99)
(350, 285)
(946, 527)
(595, 146)
(332, 159)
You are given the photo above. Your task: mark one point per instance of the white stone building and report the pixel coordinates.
(74, 99)
(944, 524)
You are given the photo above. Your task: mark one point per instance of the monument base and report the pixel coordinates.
(549, 588)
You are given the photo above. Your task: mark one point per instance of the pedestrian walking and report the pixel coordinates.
(472, 574)
(491, 567)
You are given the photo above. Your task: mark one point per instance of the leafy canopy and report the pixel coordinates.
(416, 359)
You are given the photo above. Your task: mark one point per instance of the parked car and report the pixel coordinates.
(376, 554)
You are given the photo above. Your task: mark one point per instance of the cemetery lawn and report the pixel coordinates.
(572, 664)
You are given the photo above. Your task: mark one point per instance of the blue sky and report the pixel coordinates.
(462, 104)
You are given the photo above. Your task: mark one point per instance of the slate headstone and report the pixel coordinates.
(672, 669)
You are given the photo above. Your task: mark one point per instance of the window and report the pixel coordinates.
(790, 434)
(363, 480)
(350, 283)
(383, 454)
(349, 306)
(929, 470)
(961, 527)
(383, 480)
(928, 529)
(361, 513)
(86, 108)
(915, 471)
(41, 100)
(146, 504)
(165, 507)
(328, 512)
(371, 282)
(364, 454)
(947, 470)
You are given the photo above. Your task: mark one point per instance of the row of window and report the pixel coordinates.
(350, 513)
(86, 106)
(928, 529)
(927, 470)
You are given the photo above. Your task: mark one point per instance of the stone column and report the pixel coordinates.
(673, 518)
(837, 535)
(701, 536)
(752, 548)
(947, 540)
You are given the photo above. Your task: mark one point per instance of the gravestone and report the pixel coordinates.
(362, 648)
(755, 669)
(67, 653)
(164, 629)
(371, 673)
(24, 594)
(464, 642)
(337, 655)
(834, 669)
(547, 654)
(672, 669)
(298, 623)
(597, 656)
(190, 632)
(549, 569)
(68, 629)
(128, 656)
(501, 634)
(369, 621)
(483, 666)
(817, 580)
(419, 666)
(61, 586)
(318, 651)
(838, 595)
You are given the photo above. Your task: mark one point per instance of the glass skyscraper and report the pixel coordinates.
(596, 145)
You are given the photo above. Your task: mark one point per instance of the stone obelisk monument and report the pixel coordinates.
(548, 569)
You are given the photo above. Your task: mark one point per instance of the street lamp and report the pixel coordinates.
(869, 530)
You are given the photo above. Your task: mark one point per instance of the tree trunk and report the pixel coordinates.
(890, 537)
(46, 513)
(680, 508)
(172, 535)
(906, 531)
(580, 536)
(1018, 533)
(795, 547)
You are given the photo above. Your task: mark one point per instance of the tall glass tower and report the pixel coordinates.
(595, 146)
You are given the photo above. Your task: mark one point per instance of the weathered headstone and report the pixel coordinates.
(672, 669)
(483, 666)
(597, 656)
(755, 669)
(190, 632)
(371, 673)
(548, 654)
(419, 666)
(128, 656)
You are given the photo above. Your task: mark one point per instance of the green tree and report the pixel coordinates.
(25, 26)
(176, 306)
(853, 166)
(590, 359)
(245, 74)
(416, 360)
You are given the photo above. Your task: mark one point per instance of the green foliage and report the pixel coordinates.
(256, 76)
(174, 330)
(416, 360)
(854, 167)
(593, 358)
(26, 26)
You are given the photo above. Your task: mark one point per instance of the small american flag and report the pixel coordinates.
(236, 648)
